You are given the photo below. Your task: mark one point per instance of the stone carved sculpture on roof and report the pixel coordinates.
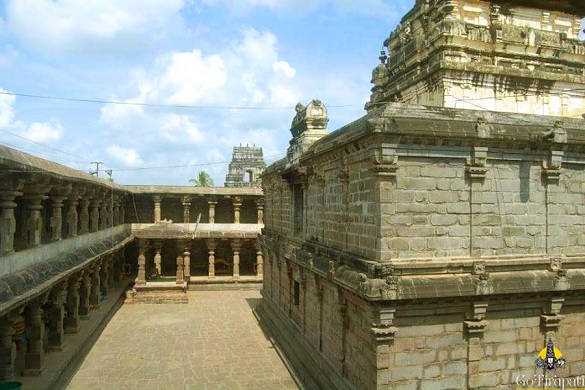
(482, 129)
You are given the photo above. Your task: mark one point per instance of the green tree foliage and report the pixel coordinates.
(203, 180)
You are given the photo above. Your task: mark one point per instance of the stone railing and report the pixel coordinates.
(28, 257)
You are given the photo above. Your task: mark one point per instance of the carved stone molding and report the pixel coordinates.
(476, 168)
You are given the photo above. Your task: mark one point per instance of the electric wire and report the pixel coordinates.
(160, 105)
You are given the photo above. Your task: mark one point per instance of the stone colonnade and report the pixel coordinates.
(74, 210)
(40, 326)
(183, 258)
(212, 204)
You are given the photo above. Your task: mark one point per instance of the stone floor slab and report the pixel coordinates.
(213, 342)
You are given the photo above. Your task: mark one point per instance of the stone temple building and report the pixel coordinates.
(71, 243)
(438, 242)
(246, 167)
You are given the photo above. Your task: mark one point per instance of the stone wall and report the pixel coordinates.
(430, 345)
(438, 249)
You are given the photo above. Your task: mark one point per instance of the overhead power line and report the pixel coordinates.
(185, 106)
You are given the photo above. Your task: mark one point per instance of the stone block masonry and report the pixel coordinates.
(401, 264)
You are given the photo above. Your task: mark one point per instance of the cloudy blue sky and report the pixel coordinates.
(213, 54)
(267, 54)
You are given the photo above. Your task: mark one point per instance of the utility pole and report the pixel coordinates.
(97, 168)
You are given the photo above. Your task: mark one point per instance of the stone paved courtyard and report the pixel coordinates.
(213, 342)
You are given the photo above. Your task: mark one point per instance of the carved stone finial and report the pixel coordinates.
(482, 129)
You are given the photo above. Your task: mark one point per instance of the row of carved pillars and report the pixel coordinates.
(186, 201)
(183, 259)
(58, 311)
(96, 212)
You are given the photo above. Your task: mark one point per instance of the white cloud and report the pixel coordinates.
(44, 132)
(247, 72)
(6, 110)
(38, 132)
(8, 56)
(128, 156)
(72, 25)
(284, 68)
(377, 8)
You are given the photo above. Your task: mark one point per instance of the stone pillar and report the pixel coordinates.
(157, 257)
(212, 204)
(103, 224)
(104, 277)
(157, 208)
(237, 203)
(112, 277)
(236, 245)
(84, 216)
(34, 222)
(72, 217)
(34, 359)
(94, 215)
(260, 208)
(56, 338)
(187, 261)
(141, 278)
(259, 260)
(72, 305)
(116, 212)
(96, 295)
(84, 292)
(122, 214)
(7, 221)
(180, 264)
(56, 217)
(186, 206)
(7, 347)
(211, 249)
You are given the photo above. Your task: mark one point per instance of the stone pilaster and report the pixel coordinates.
(84, 293)
(157, 208)
(7, 221)
(186, 205)
(34, 359)
(56, 313)
(236, 245)
(551, 319)
(237, 203)
(141, 277)
(211, 249)
(94, 221)
(56, 217)
(383, 332)
(7, 347)
(180, 262)
(260, 209)
(34, 222)
(157, 256)
(212, 203)
(72, 305)
(475, 328)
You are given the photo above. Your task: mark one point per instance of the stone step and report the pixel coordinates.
(158, 297)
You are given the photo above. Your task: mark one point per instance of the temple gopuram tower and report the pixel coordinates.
(508, 56)
(246, 166)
